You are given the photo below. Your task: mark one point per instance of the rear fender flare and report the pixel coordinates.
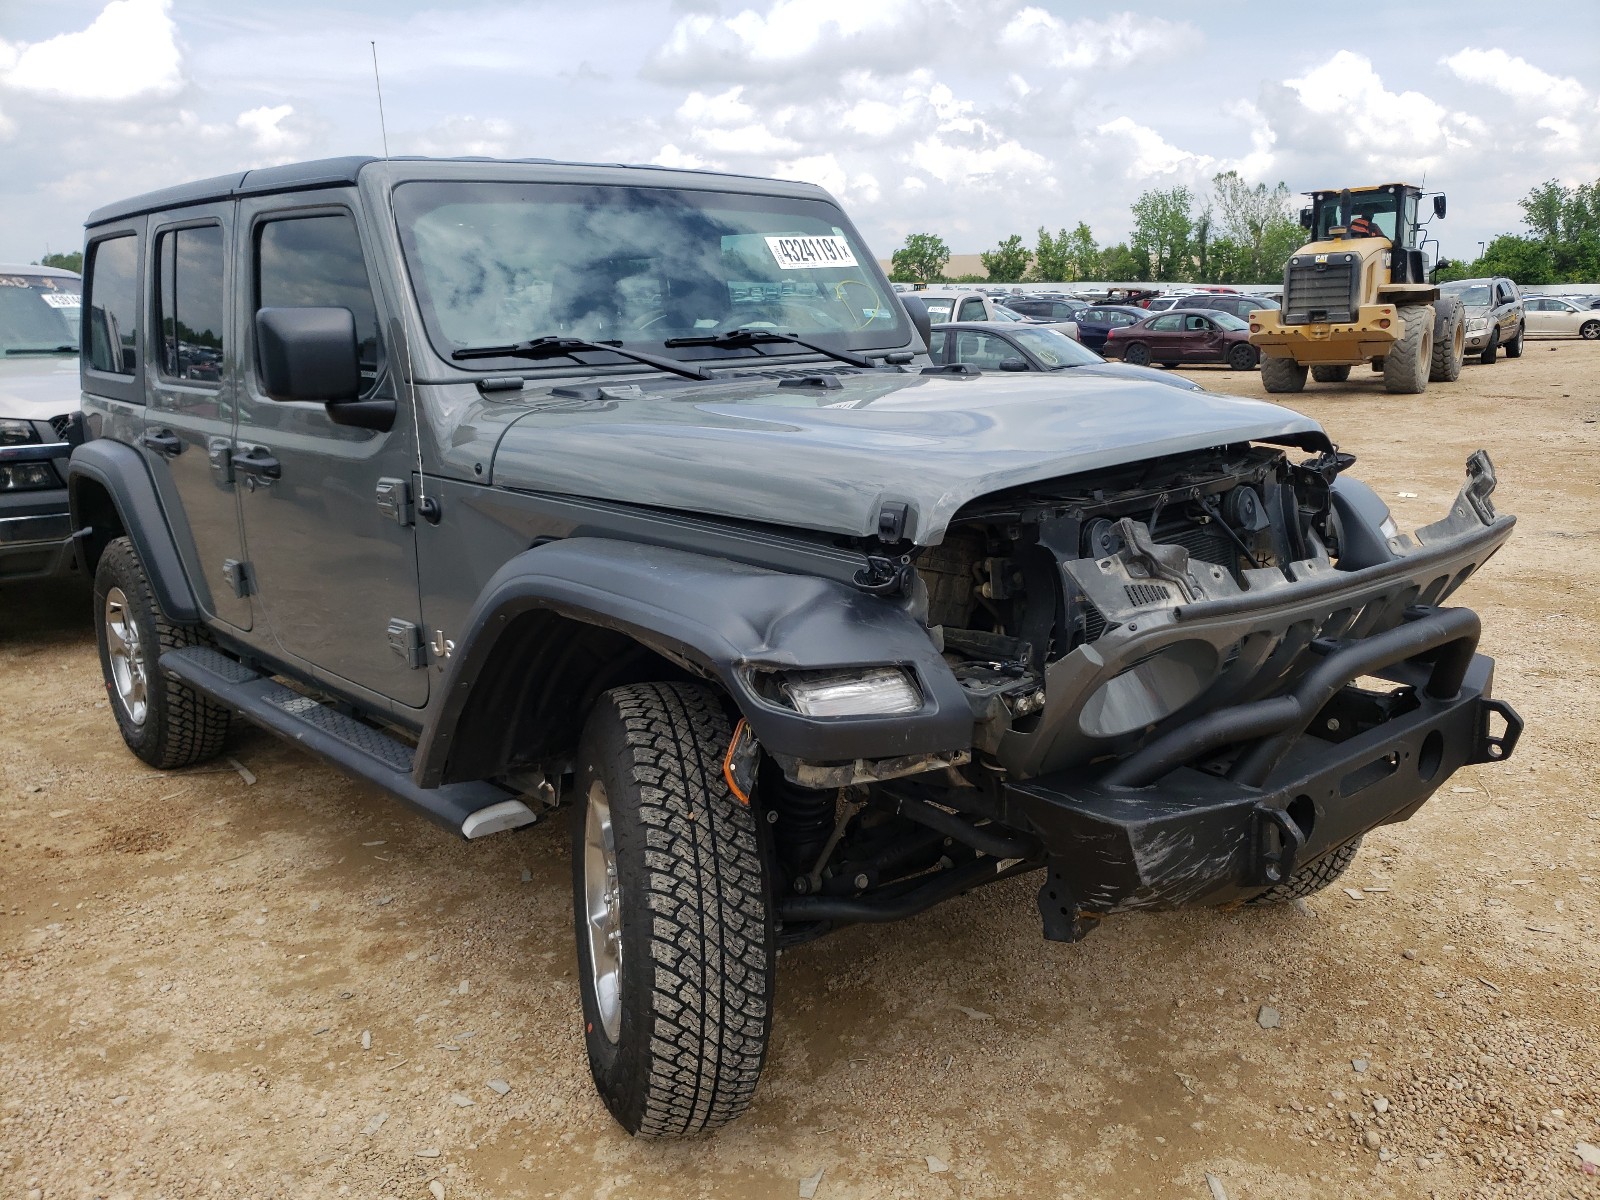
(719, 619)
(115, 469)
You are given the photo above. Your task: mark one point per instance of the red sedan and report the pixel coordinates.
(1184, 336)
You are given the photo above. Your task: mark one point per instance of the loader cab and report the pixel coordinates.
(1392, 208)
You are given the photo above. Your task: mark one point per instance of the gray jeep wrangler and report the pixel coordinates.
(504, 485)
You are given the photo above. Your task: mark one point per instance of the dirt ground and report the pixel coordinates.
(292, 987)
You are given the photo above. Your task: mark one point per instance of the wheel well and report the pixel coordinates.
(541, 681)
(94, 510)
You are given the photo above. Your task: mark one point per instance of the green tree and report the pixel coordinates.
(1259, 223)
(922, 259)
(1049, 258)
(63, 262)
(1080, 253)
(1120, 264)
(1163, 230)
(1007, 262)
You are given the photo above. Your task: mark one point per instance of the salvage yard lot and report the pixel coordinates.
(291, 987)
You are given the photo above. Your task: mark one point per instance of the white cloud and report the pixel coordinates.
(723, 109)
(1154, 155)
(1118, 41)
(265, 126)
(129, 50)
(952, 162)
(492, 137)
(752, 139)
(1516, 77)
(670, 156)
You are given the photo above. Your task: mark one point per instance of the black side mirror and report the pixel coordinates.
(1438, 205)
(918, 312)
(311, 354)
(1305, 218)
(308, 354)
(1013, 364)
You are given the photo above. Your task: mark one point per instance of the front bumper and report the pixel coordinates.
(1272, 785)
(1327, 343)
(1480, 339)
(35, 536)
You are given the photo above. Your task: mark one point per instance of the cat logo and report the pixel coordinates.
(1322, 258)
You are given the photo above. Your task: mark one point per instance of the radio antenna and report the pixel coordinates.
(378, 82)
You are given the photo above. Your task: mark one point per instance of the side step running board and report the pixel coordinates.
(473, 810)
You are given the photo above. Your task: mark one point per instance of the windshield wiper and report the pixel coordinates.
(42, 350)
(759, 337)
(565, 347)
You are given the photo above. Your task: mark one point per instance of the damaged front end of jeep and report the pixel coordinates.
(1189, 678)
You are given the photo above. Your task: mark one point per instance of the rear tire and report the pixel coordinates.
(677, 1036)
(1450, 340)
(1282, 375)
(1330, 374)
(1242, 358)
(1492, 350)
(165, 723)
(1312, 878)
(1405, 367)
(1136, 353)
(1514, 346)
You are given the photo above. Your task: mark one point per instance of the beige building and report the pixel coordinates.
(959, 264)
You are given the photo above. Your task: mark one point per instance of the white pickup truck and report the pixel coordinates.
(976, 306)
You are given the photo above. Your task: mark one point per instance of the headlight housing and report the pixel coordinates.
(27, 476)
(14, 432)
(852, 692)
(1477, 324)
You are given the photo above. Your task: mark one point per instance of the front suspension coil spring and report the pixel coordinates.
(805, 822)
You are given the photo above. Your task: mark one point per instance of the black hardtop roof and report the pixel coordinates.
(321, 173)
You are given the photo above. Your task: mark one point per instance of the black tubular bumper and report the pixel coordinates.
(1282, 781)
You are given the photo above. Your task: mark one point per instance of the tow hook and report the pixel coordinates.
(1274, 864)
(1063, 920)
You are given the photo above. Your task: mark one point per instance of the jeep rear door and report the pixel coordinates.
(326, 528)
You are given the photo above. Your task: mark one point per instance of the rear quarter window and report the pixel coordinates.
(113, 305)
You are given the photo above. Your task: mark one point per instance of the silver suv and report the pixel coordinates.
(1494, 315)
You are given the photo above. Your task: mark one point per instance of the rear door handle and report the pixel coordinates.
(257, 461)
(164, 442)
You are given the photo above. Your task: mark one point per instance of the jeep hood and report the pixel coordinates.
(830, 459)
(37, 387)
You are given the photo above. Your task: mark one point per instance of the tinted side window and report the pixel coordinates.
(315, 262)
(189, 303)
(1166, 324)
(972, 310)
(114, 305)
(936, 343)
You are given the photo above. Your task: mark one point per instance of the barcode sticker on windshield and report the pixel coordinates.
(62, 299)
(803, 253)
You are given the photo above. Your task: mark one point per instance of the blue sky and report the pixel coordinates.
(969, 119)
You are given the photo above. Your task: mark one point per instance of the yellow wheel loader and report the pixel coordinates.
(1358, 292)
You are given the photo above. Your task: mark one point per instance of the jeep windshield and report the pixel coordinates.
(496, 263)
(39, 314)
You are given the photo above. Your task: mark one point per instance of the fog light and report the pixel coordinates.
(868, 691)
(21, 477)
(1149, 691)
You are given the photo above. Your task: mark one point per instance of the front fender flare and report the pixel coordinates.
(722, 619)
(121, 471)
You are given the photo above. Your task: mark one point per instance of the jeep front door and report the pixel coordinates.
(332, 555)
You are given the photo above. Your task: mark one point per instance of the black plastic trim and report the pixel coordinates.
(724, 620)
(121, 470)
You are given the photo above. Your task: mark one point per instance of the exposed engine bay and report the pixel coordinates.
(1024, 577)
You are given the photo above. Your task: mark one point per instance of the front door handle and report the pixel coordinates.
(164, 442)
(257, 461)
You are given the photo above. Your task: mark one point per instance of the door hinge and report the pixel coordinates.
(240, 577)
(394, 500)
(405, 639)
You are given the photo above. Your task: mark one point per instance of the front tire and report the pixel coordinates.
(677, 1018)
(165, 723)
(1492, 350)
(1282, 375)
(1406, 366)
(1450, 340)
(1312, 878)
(1589, 330)
(1514, 346)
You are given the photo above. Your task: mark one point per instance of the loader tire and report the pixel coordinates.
(1330, 374)
(1405, 367)
(1282, 375)
(1449, 340)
